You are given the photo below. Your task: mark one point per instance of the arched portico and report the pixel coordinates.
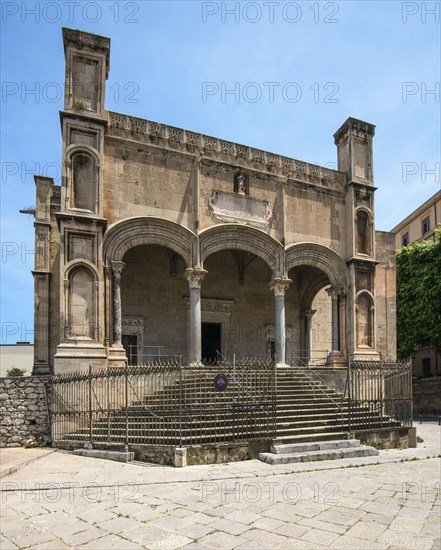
(335, 274)
(254, 242)
(124, 236)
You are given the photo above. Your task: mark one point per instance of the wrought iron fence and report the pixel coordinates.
(167, 403)
(379, 394)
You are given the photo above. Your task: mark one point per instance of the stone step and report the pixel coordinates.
(315, 446)
(332, 450)
(309, 456)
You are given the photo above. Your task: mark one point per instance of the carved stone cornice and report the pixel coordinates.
(168, 137)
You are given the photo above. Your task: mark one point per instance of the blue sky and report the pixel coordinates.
(373, 60)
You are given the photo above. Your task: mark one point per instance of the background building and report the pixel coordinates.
(420, 224)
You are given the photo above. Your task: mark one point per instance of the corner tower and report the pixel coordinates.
(355, 157)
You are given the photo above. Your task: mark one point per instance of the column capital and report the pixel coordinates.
(117, 268)
(195, 276)
(309, 313)
(279, 285)
(334, 292)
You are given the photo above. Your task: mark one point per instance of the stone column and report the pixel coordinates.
(195, 277)
(334, 293)
(279, 285)
(309, 313)
(117, 268)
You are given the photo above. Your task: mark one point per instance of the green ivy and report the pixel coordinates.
(419, 295)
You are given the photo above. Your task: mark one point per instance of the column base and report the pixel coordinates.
(77, 356)
(117, 356)
(336, 359)
(367, 354)
(41, 369)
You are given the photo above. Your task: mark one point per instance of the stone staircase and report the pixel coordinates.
(307, 410)
(311, 452)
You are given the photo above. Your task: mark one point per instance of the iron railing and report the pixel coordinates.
(166, 404)
(380, 394)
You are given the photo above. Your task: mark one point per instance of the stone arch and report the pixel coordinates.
(124, 235)
(81, 302)
(321, 257)
(240, 237)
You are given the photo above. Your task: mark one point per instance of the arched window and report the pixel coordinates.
(365, 311)
(84, 182)
(363, 233)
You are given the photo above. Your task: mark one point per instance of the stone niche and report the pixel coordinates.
(235, 207)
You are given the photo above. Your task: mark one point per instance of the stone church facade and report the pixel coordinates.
(166, 243)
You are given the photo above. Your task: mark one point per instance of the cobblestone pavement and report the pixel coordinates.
(386, 502)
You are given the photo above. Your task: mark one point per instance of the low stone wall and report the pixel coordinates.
(427, 396)
(24, 421)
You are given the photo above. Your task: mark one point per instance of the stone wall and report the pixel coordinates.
(23, 411)
(427, 396)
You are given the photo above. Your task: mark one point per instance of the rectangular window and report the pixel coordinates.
(405, 239)
(425, 225)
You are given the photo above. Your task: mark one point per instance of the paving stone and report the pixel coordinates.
(405, 540)
(200, 517)
(56, 544)
(323, 525)
(181, 512)
(242, 517)
(407, 524)
(267, 524)
(318, 536)
(118, 525)
(271, 540)
(111, 542)
(366, 530)
(350, 543)
(197, 530)
(155, 538)
(6, 544)
(340, 518)
(291, 530)
(383, 519)
(229, 526)
(222, 540)
(83, 537)
(171, 523)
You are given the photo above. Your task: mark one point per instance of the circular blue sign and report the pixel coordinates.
(220, 382)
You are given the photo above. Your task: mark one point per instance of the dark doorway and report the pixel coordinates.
(130, 344)
(211, 342)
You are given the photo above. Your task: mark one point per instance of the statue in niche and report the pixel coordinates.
(362, 233)
(241, 183)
